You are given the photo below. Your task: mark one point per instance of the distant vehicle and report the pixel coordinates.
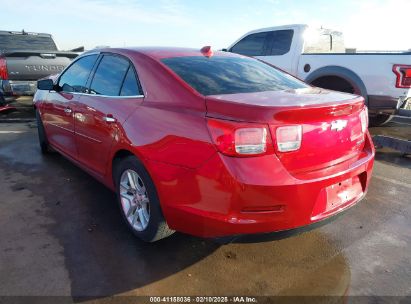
(319, 57)
(210, 144)
(25, 58)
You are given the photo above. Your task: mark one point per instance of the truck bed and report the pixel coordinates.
(374, 69)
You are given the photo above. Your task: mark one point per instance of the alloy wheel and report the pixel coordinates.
(134, 200)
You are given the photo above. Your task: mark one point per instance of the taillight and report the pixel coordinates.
(403, 73)
(364, 119)
(3, 69)
(250, 140)
(288, 138)
(240, 139)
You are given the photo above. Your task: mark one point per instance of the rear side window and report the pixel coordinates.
(130, 86)
(252, 45)
(230, 75)
(109, 76)
(24, 42)
(74, 79)
(280, 42)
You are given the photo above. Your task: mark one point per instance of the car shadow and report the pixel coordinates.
(394, 158)
(102, 256)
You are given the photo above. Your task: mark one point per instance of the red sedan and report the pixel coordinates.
(209, 144)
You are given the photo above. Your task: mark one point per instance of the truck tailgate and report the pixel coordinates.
(33, 65)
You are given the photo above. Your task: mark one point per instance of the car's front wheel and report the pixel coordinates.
(138, 200)
(2, 101)
(44, 144)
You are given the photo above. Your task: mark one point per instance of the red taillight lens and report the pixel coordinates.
(3, 69)
(240, 139)
(403, 73)
(288, 138)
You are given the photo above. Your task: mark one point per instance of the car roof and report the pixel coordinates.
(280, 27)
(24, 33)
(159, 53)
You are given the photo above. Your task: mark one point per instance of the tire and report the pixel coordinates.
(380, 119)
(44, 144)
(139, 203)
(2, 101)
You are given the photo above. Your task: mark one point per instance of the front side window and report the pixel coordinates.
(109, 76)
(74, 79)
(252, 45)
(280, 42)
(230, 75)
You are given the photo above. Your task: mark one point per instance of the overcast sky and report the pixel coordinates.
(367, 24)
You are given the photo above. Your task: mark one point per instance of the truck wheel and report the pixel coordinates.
(44, 144)
(138, 200)
(337, 83)
(380, 119)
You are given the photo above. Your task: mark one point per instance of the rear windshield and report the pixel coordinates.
(230, 75)
(26, 42)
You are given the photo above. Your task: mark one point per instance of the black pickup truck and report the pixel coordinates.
(25, 58)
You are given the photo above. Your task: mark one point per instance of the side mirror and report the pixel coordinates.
(45, 84)
(224, 50)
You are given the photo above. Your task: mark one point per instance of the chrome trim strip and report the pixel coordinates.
(88, 137)
(68, 130)
(109, 119)
(105, 96)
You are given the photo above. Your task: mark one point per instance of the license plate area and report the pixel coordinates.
(343, 192)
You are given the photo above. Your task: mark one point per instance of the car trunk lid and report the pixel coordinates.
(331, 125)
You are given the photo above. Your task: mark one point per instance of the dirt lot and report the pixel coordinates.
(61, 234)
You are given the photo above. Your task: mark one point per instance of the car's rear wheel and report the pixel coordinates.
(138, 200)
(44, 144)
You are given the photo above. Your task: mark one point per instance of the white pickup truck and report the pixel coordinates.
(319, 57)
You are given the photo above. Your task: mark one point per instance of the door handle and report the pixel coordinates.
(109, 119)
(67, 110)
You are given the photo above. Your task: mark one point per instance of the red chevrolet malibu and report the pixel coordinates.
(210, 144)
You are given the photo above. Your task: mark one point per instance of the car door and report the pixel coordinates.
(58, 109)
(114, 93)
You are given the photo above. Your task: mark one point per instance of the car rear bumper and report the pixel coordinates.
(278, 235)
(230, 196)
(12, 88)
